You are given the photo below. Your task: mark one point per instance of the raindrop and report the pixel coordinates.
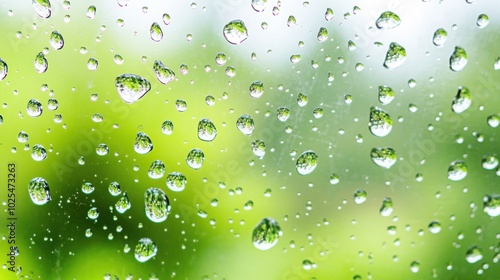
(123, 204)
(302, 99)
(317, 113)
(38, 153)
(156, 204)
(52, 104)
(334, 178)
(473, 255)
(383, 157)
(102, 149)
(93, 213)
(56, 40)
(387, 207)
(181, 105)
(458, 59)
(307, 162)
(462, 100)
(4, 69)
(92, 64)
(164, 74)
(414, 266)
(491, 205)
(493, 120)
(385, 95)
(143, 144)
(291, 21)
(235, 32)
(489, 162)
(482, 21)
(322, 34)
(380, 122)
(259, 148)
(34, 108)
(220, 59)
(87, 188)
(395, 56)
(131, 87)
(457, 170)
(266, 234)
(145, 250)
(176, 181)
(283, 113)
(256, 89)
(22, 137)
(308, 264)
(434, 227)
(155, 32)
(39, 191)
(41, 63)
(166, 19)
(359, 196)
(42, 8)
(388, 20)
(156, 169)
(206, 130)
(91, 12)
(167, 127)
(259, 5)
(329, 14)
(439, 37)
(195, 158)
(114, 188)
(245, 124)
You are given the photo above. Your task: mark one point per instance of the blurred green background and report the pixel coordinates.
(319, 220)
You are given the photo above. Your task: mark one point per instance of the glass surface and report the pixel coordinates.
(250, 139)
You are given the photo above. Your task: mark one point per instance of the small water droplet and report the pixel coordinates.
(482, 21)
(458, 59)
(491, 205)
(114, 188)
(414, 266)
(156, 204)
(360, 196)
(163, 73)
(308, 264)
(41, 63)
(329, 14)
(380, 122)
(167, 127)
(457, 170)
(383, 157)
(91, 12)
(123, 204)
(102, 149)
(235, 32)
(493, 120)
(4, 69)
(56, 40)
(38, 153)
(143, 144)
(462, 100)
(195, 158)
(489, 162)
(259, 5)
(395, 56)
(93, 213)
(42, 8)
(176, 181)
(473, 255)
(156, 169)
(245, 124)
(155, 32)
(302, 99)
(283, 113)
(387, 207)
(131, 87)
(439, 37)
(220, 59)
(306, 163)
(322, 34)
(92, 64)
(39, 191)
(34, 108)
(87, 188)
(266, 234)
(145, 250)
(388, 20)
(256, 89)
(258, 148)
(434, 227)
(385, 94)
(206, 130)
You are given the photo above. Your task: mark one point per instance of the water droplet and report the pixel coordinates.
(473, 255)
(102, 149)
(360, 196)
(457, 170)
(195, 158)
(87, 188)
(329, 14)
(291, 21)
(306, 163)
(52, 104)
(266, 234)
(245, 124)
(439, 37)
(4, 69)
(295, 58)
(38, 153)
(248, 205)
(143, 144)
(489, 162)
(434, 227)
(220, 59)
(39, 191)
(380, 122)
(256, 89)
(167, 127)
(156, 169)
(283, 113)
(395, 56)
(180, 105)
(259, 148)
(92, 64)
(131, 87)
(259, 5)
(34, 108)
(155, 32)
(384, 157)
(114, 188)
(123, 3)
(387, 207)
(206, 130)
(317, 113)
(385, 95)
(118, 59)
(322, 34)
(491, 205)
(42, 8)
(123, 204)
(145, 250)
(22, 137)
(41, 63)
(388, 20)
(462, 100)
(493, 120)
(482, 21)
(458, 59)
(93, 213)
(235, 32)
(308, 264)
(163, 73)
(56, 40)
(156, 204)
(302, 99)
(176, 181)
(334, 179)
(91, 12)
(414, 266)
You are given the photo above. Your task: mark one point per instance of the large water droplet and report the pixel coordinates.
(266, 234)
(42, 8)
(380, 122)
(491, 205)
(123, 204)
(245, 124)
(383, 157)
(41, 63)
(458, 59)
(206, 130)
(306, 163)
(155, 32)
(235, 32)
(143, 144)
(39, 191)
(195, 158)
(259, 5)
(176, 181)
(256, 89)
(56, 40)
(462, 100)
(473, 255)
(388, 20)
(385, 95)
(387, 207)
(439, 37)
(156, 204)
(163, 73)
(156, 169)
(4, 69)
(457, 170)
(395, 56)
(131, 87)
(145, 250)
(34, 108)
